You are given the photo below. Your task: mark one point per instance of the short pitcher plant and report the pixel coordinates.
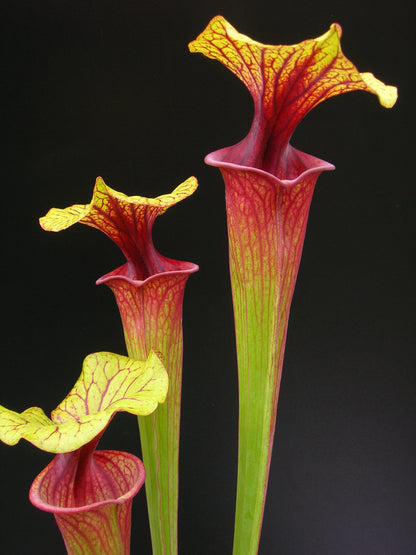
(90, 492)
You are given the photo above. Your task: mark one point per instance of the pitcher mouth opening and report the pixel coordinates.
(136, 477)
(127, 273)
(301, 165)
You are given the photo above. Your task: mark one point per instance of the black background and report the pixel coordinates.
(108, 88)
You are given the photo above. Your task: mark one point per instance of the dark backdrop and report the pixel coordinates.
(108, 88)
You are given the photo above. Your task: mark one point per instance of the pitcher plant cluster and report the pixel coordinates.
(268, 189)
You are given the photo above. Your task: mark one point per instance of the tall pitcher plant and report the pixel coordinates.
(268, 189)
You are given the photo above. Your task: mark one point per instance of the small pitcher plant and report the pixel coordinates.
(90, 492)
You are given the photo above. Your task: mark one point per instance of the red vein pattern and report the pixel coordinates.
(149, 291)
(127, 221)
(90, 495)
(268, 188)
(108, 384)
(151, 314)
(285, 82)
